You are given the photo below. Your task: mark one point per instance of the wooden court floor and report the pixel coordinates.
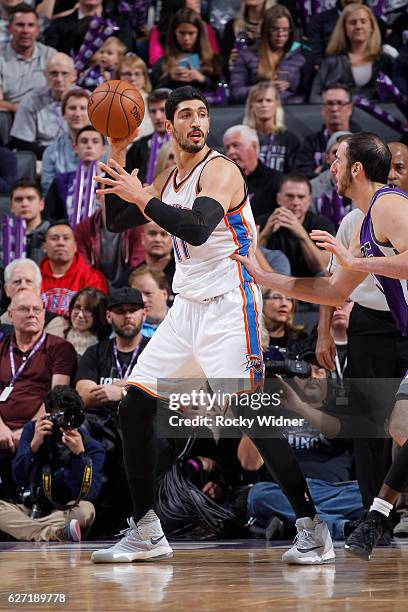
(237, 576)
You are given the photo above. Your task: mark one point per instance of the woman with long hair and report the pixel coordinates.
(158, 33)
(87, 323)
(354, 55)
(277, 315)
(189, 58)
(276, 57)
(244, 30)
(264, 113)
(134, 70)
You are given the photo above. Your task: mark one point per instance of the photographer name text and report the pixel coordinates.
(220, 420)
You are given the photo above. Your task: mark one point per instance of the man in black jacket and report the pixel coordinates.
(336, 110)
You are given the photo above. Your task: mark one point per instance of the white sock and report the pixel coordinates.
(381, 506)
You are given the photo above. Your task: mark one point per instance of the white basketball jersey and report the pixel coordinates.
(207, 271)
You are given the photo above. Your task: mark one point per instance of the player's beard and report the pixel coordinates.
(343, 184)
(186, 145)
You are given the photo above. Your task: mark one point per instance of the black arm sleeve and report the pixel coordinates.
(121, 215)
(194, 226)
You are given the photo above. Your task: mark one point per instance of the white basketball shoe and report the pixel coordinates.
(312, 545)
(144, 541)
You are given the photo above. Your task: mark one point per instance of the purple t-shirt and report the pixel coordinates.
(394, 290)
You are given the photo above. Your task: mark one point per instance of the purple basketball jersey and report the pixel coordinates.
(394, 290)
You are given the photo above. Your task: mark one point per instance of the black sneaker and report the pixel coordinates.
(367, 535)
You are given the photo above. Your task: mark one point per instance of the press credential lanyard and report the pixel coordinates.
(15, 375)
(131, 364)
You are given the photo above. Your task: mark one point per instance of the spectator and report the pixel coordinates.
(338, 330)
(67, 33)
(26, 202)
(321, 27)
(244, 30)
(38, 121)
(354, 55)
(165, 158)
(158, 248)
(64, 272)
(141, 153)
(22, 63)
(112, 253)
(60, 156)
(69, 451)
(326, 463)
(336, 111)
(59, 202)
(398, 175)
(8, 170)
(103, 63)
(31, 363)
(278, 328)
(276, 58)
(189, 58)
(101, 379)
(287, 228)
(87, 319)
(158, 33)
(241, 144)
(134, 70)
(23, 274)
(154, 287)
(264, 113)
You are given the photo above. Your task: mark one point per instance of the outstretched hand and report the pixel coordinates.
(251, 264)
(331, 244)
(125, 185)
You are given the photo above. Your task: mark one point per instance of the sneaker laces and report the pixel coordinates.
(304, 536)
(125, 533)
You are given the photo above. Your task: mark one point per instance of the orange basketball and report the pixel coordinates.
(116, 109)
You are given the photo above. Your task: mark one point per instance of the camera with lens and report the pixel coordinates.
(277, 361)
(64, 408)
(34, 498)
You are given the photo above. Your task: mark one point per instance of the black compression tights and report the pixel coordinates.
(397, 475)
(137, 414)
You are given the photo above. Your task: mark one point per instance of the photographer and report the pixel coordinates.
(54, 506)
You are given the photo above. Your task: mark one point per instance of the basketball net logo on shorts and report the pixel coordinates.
(255, 363)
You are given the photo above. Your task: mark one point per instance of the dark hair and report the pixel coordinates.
(25, 183)
(58, 222)
(89, 128)
(373, 154)
(337, 85)
(96, 302)
(158, 95)
(62, 397)
(21, 8)
(180, 95)
(295, 177)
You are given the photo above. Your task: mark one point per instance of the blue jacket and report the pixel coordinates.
(66, 481)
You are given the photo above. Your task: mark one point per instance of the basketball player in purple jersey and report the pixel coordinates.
(380, 248)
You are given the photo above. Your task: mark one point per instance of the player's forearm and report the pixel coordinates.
(316, 258)
(395, 266)
(121, 215)
(325, 320)
(314, 290)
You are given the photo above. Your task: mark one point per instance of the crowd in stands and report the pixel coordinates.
(79, 303)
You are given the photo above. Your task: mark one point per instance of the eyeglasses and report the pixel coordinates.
(128, 75)
(275, 30)
(37, 310)
(85, 311)
(276, 297)
(333, 103)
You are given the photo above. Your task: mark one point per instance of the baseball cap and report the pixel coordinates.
(73, 91)
(125, 295)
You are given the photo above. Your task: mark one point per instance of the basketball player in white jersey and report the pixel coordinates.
(212, 330)
(380, 248)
